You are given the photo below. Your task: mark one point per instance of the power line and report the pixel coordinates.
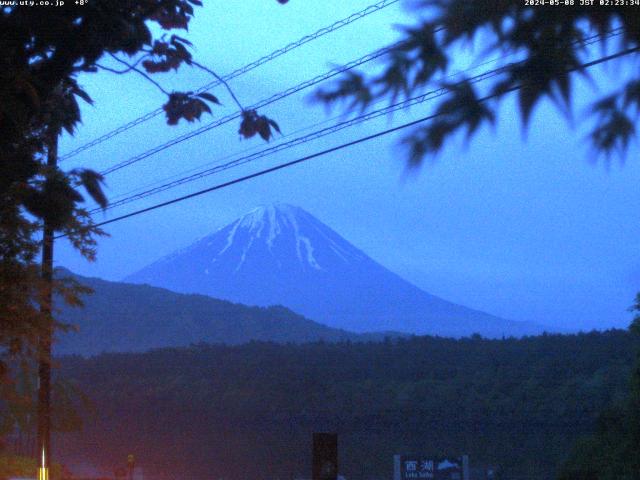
(301, 140)
(262, 103)
(240, 71)
(128, 198)
(208, 164)
(343, 146)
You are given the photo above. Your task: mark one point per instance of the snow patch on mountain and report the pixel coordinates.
(267, 224)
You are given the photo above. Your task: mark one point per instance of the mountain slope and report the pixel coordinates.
(121, 317)
(281, 254)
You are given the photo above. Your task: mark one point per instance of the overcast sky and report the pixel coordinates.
(525, 227)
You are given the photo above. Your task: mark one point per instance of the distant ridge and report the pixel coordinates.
(281, 254)
(120, 317)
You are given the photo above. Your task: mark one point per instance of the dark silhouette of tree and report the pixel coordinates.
(550, 47)
(613, 451)
(42, 52)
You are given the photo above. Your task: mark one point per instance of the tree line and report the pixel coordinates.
(249, 410)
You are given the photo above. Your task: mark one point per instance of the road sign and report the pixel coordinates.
(417, 467)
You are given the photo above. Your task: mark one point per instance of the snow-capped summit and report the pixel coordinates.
(281, 254)
(276, 238)
(285, 229)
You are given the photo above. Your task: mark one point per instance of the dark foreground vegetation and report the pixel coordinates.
(248, 411)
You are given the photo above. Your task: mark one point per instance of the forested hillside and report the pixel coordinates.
(248, 411)
(121, 317)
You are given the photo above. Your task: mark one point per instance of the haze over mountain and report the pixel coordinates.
(121, 317)
(282, 255)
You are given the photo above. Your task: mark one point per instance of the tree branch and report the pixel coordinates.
(221, 80)
(130, 66)
(137, 70)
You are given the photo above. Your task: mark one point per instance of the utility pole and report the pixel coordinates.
(46, 335)
(325, 456)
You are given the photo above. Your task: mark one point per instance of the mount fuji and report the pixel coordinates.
(282, 255)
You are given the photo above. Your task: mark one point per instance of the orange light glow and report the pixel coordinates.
(43, 471)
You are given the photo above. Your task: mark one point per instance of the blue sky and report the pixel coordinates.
(527, 227)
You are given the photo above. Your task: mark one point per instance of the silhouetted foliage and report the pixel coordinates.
(43, 50)
(550, 46)
(613, 451)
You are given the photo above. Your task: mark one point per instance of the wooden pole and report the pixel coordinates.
(46, 336)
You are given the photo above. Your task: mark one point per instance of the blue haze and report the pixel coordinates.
(527, 229)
